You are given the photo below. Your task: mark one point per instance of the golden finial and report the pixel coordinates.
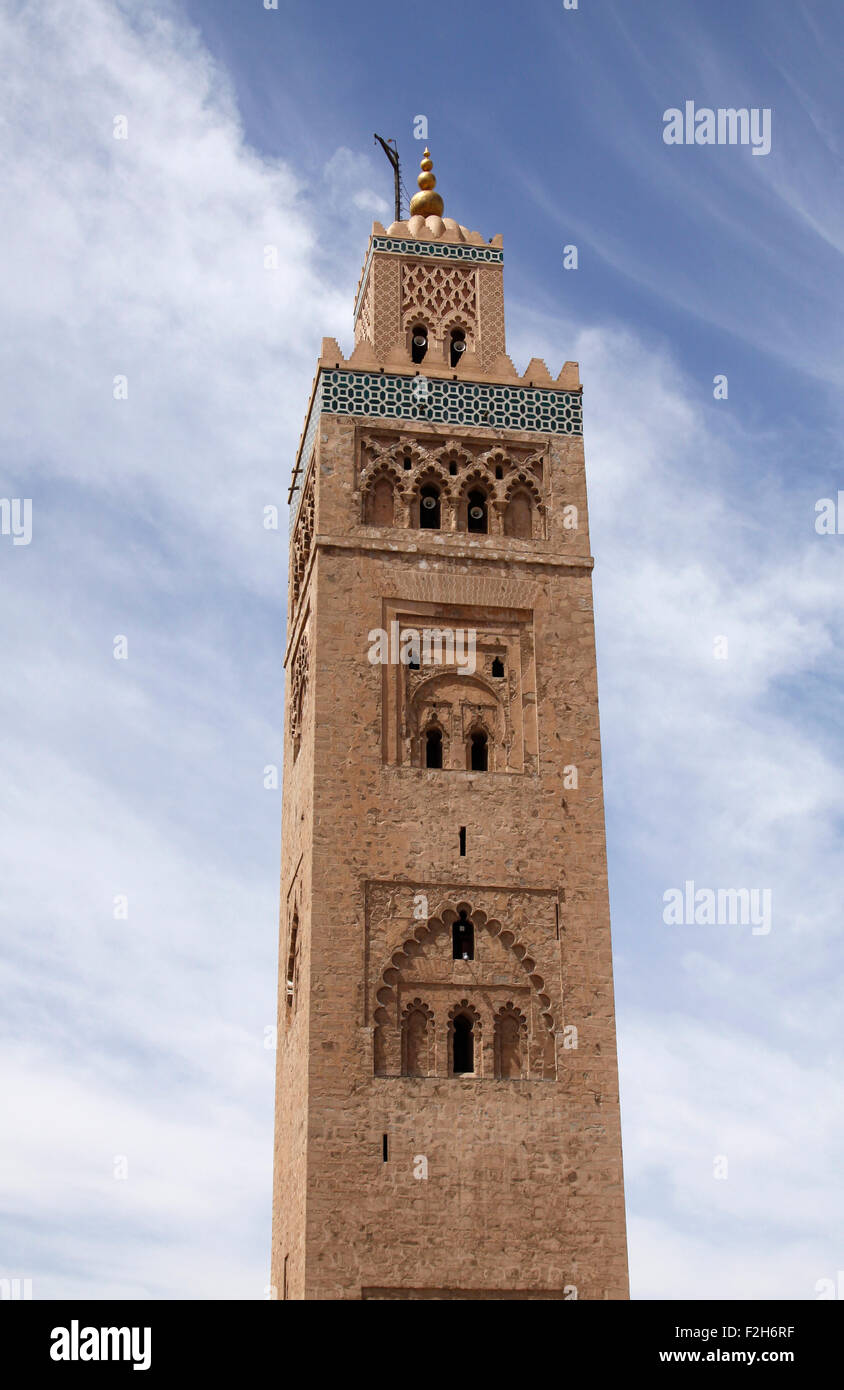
(427, 203)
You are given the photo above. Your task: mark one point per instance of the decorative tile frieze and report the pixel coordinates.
(386, 396)
(439, 250)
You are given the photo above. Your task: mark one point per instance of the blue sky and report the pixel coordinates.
(138, 1045)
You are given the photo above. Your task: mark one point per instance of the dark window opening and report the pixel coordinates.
(464, 1046)
(476, 519)
(479, 752)
(407, 463)
(498, 667)
(463, 939)
(434, 748)
(290, 977)
(419, 342)
(462, 839)
(385, 1148)
(499, 472)
(458, 346)
(452, 468)
(429, 508)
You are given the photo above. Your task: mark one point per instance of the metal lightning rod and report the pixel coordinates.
(389, 148)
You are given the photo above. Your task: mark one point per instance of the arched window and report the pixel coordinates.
(379, 504)
(457, 346)
(518, 518)
(419, 342)
(476, 512)
(478, 751)
(498, 667)
(510, 1035)
(463, 1045)
(429, 507)
(433, 747)
(463, 939)
(415, 1039)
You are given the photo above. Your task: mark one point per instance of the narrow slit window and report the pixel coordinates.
(462, 839)
(463, 939)
(292, 962)
(463, 1060)
(385, 1148)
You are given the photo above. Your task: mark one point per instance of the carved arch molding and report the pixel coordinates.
(512, 989)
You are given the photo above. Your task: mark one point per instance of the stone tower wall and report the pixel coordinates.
(506, 1182)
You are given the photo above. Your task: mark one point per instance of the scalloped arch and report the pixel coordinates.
(380, 468)
(441, 922)
(432, 471)
(476, 476)
(522, 481)
(458, 318)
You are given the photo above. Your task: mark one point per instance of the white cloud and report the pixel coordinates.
(769, 1228)
(144, 778)
(347, 177)
(146, 256)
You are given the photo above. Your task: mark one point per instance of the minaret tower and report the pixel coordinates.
(447, 1120)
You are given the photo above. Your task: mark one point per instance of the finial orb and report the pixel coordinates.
(426, 203)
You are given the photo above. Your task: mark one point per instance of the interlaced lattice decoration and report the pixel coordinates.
(298, 691)
(438, 293)
(365, 327)
(303, 538)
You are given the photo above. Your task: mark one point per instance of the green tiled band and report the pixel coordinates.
(440, 250)
(380, 395)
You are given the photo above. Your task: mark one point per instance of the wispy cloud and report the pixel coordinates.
(145, 1038)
